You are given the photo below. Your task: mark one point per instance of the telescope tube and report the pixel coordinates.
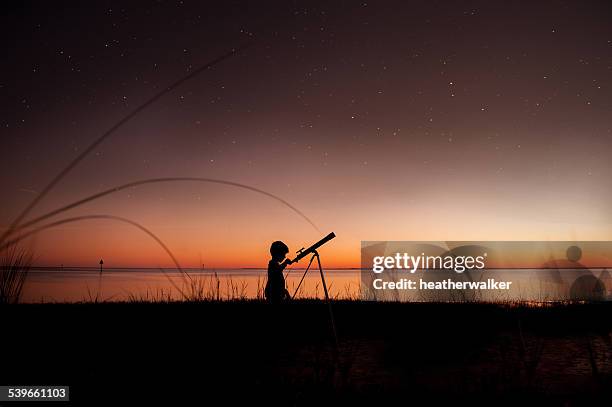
(311, 249)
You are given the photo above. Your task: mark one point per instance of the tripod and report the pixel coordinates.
(329, 307)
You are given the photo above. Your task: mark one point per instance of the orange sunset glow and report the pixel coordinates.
(306, 203)
(222, 228)
(450, 139)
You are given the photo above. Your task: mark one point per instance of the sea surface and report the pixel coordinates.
(76, 284)
(82, 284)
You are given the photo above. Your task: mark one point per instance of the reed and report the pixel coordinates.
(62, 174)
(15, 263)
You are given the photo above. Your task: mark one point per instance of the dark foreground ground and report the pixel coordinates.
(258, 354)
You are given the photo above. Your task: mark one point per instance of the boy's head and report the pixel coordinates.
(278, 250)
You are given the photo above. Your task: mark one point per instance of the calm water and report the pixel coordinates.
(535, 285)
(88, 284)
(85, 284)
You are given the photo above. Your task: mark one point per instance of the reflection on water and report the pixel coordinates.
(489, 285)
(87, 284)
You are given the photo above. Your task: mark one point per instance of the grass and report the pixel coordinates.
(388, 351)
(14, 266)
(211, 288)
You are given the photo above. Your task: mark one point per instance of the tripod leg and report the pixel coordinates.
(331, 314)
(304, 275)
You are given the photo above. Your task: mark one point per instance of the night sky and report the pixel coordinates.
(423, 120)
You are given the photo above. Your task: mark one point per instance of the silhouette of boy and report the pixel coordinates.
(275, 287)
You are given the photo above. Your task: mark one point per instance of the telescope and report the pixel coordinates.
(312, 249)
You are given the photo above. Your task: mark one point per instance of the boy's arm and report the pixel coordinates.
(285, 263)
